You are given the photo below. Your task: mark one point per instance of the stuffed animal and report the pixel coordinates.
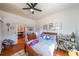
(72, 52)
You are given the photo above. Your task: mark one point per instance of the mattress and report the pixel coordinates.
(44, 49)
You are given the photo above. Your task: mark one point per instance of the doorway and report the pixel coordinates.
(21, 34)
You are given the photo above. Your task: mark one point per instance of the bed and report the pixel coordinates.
(42, 47)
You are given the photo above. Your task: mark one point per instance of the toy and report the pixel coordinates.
(72, 52)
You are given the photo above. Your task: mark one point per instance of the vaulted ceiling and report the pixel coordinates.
(47, 9)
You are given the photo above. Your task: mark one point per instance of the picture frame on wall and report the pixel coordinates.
(30, 28)
(45, 27)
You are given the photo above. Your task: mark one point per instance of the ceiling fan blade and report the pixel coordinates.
(29, 5)
(37, 9)
(32, 5)
(25, 8)
(35, 4)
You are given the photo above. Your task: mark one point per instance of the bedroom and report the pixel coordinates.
(59, 19)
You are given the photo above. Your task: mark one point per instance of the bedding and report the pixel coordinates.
(44, 44)
(33, 42)
(51, 38)
(13, 37)
(43, 48)
(47, 36)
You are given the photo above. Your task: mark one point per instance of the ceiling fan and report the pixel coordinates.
(32, 7)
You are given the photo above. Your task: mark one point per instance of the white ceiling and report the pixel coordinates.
(47, 9)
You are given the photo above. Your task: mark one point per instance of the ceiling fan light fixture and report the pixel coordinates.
(32, 7)
(31, 10)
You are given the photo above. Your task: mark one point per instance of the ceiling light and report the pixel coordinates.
(31, 10)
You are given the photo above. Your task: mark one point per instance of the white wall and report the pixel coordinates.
(69, 19)
(0, 37)
(14, 20)
(1, 26)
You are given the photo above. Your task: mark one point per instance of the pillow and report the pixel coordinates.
(52, 37)
(33, 42)
(42, 36)
(46, 37)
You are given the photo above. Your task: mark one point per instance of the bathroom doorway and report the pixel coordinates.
(21, 34)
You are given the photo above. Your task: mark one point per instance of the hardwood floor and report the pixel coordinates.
(20, 46)
(14, 48)
(60, 52)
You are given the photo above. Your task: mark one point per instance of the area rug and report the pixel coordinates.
(20, 53)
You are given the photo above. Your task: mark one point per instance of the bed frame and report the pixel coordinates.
(29, 50)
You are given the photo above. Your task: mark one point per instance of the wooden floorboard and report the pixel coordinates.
(13, 49)
(60, 52)
(20, 46)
